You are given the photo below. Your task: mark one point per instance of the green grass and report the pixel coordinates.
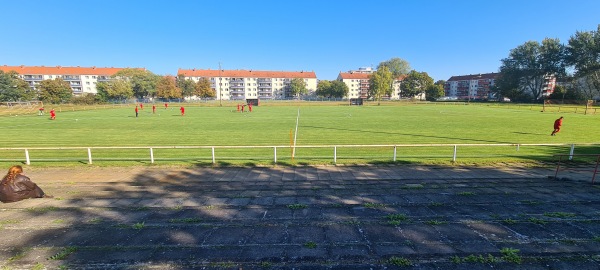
(318, 125)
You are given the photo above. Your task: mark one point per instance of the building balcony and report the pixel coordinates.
(236, 92)
(33, 78)
(265, 91)
(71, 78)
(264, 80)
(265, 96)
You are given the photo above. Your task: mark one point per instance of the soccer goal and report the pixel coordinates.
(573, 106)
(20, 107)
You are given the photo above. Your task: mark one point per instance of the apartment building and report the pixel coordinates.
(82, 79)
(251, 84)
(476, 86)
(358, 84)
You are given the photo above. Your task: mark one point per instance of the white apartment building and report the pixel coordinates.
(475, 86)
(358, 84)
(82, 79)
(251, 84)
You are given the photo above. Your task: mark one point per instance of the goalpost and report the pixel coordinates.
(567, 105)
(20, 107)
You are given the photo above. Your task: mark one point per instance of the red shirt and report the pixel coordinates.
(558, 123)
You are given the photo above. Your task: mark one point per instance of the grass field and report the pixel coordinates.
(318, 125)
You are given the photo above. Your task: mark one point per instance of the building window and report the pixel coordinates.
(93, 77)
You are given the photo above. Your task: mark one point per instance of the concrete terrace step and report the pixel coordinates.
(304, 218)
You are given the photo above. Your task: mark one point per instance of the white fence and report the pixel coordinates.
(393, 156)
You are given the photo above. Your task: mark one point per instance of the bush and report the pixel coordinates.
(85, 99)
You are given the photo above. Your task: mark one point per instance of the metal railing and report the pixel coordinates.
(558, 165)
(334, 154)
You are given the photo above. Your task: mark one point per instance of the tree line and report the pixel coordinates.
(125, 84)
(523, 74)
(381, 83)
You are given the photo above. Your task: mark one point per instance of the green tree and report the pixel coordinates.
(323, 89)
(167, 88)
(332, 89)
(528, 66)
(298, 87)
(55, 91)
(380, 83)
(396, 66)
(415, 83)
(583, 53)
(566, 93)
(13, 88)
(117, 89)
(203, 89)
(143, 82)
(102, 91)
(433, 92)
(187, 86)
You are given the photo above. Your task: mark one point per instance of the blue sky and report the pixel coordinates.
(442, 38)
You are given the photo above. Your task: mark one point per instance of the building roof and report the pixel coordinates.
(354, 75)
(240, 73)
(474, 77)
(58, 70)
(362, 76)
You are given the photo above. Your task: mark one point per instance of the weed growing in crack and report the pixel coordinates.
(297, 206)
(399, 261)
(560, 214)
(95, 220)
(374, 205)
(537, 221)
(42, 209)
(138, 226)
(509, 221)
(396, 219)
(435, 222)
(63, 254)
(184, 220)
(511, 255)
(310, 244)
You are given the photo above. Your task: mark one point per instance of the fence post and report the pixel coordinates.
(89, 156)
(27, 161)
(213, 154)
(394, 153)
(151, 155)
(454, 155)
(335, 154)
(274, 154)
(518, 145)
(571, 152)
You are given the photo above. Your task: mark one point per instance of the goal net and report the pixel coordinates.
(567, 105)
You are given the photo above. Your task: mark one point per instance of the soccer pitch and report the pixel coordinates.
(318, 125)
